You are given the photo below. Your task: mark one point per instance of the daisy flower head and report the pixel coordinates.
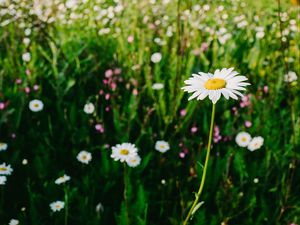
(5, 169)
(162, 146)
(134, 161)
(13, 222)
(84, 157)
(89, 108)
(36, 105)
(3, 146)
(3, 180)
(123, 152)
(62, 179)
(223, 82)
(57, 206)
(156, 57)
(255, 143)
(243, 139)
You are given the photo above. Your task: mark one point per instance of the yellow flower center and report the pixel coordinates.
(244, 139)
(215, 84)
(162, 146)
(36, 105)
(124, 152)
(1, 144)
(3, 169)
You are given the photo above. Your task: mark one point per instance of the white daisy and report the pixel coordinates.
(36, 105)
(162, 146)
(26, 57)
(134, 161)
(3, 146)
(256, 143)
(123, 152)
(290, 77)
(157, 86)
(5, 170)
(13, 222)
(62, 179)
(156, 57)
(57, 206)
(84, 157)
(89, 108)
(225, 82)
(243, 139)
(3, 180)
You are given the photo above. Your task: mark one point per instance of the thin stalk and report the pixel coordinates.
(66, 206)
(125, 193)
(205, 167)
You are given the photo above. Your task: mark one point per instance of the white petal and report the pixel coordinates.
(203, 95)
(225, 93)
(194, 95)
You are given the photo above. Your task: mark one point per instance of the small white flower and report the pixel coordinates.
(3, 146)
(225, 82)
(255, 143)
(62, 179)
(134, 161)
(26, 57)
(36, 105)
(24, 162)
(157, 86)
(99, 207)
(260, 34)
(89, 108)
(243, 139)
(5, 169)
(290, 77)
(13, 222)
(156, 57)
(84, 157)
(3, 180)
(123, 152)
(255, 180)
(26, 41)
(162, 146)
(57, 206)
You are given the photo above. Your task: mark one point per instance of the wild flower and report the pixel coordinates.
(162, 146)
(62, 179)
(57, 206)
(84, 157)
(36, 105)
(3, 146)
(5, 169)
(225, 82)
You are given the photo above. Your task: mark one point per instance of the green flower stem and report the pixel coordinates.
(205, 167)
(125, 192)
(66, 205)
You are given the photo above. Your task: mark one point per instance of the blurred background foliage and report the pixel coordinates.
(100, 52)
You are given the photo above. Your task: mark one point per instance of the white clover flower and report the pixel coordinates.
(124, 152)
(162, 146)
(13, 222)
(223, 82)
(255, 143)
(36, 105)
(243, 139)
(84, 157)
(290, 77)
(5, 169)
(89, 108)
(157, 86)
(62, 179)
(3, 146)
(134, 161)
(260, 34)
(57, 206)
(156, 57)
(3, 180)
(26, 57)
(26, 41)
